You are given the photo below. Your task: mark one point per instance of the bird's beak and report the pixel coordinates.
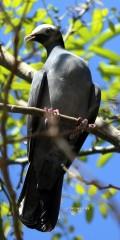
(29, 37)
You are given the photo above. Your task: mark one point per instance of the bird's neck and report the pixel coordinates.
(50, 47)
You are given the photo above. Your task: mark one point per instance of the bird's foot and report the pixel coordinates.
(82, 125)
(51, 116)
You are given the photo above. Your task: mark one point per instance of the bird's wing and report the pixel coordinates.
(93, 107)
(95, 99)
(35, 97)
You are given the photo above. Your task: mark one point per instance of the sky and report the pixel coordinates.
(100, 228)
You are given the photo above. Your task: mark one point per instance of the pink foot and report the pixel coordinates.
(92, 125)
(51, 115)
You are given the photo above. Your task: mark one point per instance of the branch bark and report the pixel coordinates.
(23, 70)
(99, 149)
(102, 129)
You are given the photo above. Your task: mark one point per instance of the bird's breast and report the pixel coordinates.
(69, 92)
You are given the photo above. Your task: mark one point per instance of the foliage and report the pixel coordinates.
(87, 39)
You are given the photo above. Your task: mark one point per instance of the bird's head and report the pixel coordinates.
(46, 34)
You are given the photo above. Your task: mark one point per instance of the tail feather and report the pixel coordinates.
(38, 208)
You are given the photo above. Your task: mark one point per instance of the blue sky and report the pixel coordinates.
(100, 228)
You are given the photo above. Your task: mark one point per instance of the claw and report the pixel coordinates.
(82, 125)
(92, 125)
(51, 114)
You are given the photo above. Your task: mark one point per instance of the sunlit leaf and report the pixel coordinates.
(103, 208)
(92, 190)
(71, 229)
(104, 159)
(16, 3)
(89, 213)
(109, 193)
(26, 7)
(107, 35)
(82, 31)
(40, 15)
(75, 207)
(2, 234)
(78, 238)
(37, 65)
(106, 53)
(7, 3)
(6, 227)
(4, 209)
(57, 236)
(20, 86)
(109, 69)
(97, 23)
(80, 189)
(111, 25)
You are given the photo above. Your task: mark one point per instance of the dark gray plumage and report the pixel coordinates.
(64, 83)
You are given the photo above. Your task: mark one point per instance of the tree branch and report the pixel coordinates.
(95, 183)
(23, 70)
(90, 151)
(102, 129)
(99, 149)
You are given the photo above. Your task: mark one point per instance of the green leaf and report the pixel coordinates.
(40, 15)
(8, 29)
(77, 238)
(6, 227)
(20, 86)
(71, 229)
(11, 99)
(16, 3)
(103, 208)
(2, 235)
(106, 53)
(82, 31)
(97, 23)
(107, 35)
(57, 236)
(89, 213)
(104, 159)
(80, 189)
(7, 3)
(114, 89)
(109, 69)
(92, 190)
(4, 209)
(83, 158)
(23, 7)
(109, 193)
(15, 131)
(75, 207)
(111, 25)
(37, 65)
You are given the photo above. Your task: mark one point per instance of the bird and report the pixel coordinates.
(64, 83)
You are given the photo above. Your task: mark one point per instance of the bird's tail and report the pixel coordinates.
(38, 208)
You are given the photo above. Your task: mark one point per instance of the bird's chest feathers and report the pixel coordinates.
(68, 94)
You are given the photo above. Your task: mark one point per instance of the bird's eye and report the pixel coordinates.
(48, 30)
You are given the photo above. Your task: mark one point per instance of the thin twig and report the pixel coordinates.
(70, 31)
(21, 176)
(95, 183)
(99, 149)
(5, 192)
